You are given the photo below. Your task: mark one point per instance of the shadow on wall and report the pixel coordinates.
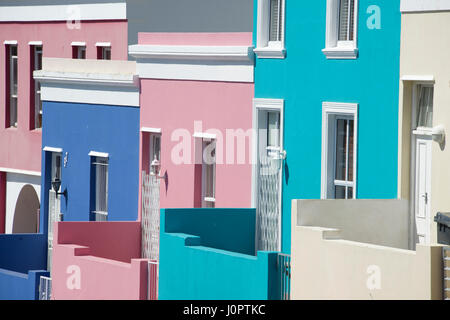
(25, 214)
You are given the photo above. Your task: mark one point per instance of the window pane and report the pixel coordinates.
(341, 149)
(346, 20)
(425, 116)
(13, 112)
(14, 75)
(275, 20)
(101, 199)
(350, 150)
(339, 192)
(349, 193)
(273, 129)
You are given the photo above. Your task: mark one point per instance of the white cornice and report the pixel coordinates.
(217, 53)
(64, 12)
(424, 5)
(203, 63)
(86, 78)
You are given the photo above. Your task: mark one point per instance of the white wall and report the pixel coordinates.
(381, 222)
(14, 184)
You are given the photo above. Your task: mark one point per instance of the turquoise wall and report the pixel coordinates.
(195, 266)
(305, 79)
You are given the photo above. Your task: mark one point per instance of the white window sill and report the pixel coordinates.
(340, 53)
(270, 52)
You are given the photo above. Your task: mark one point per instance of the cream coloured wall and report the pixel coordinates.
(342, 266)
(425, 47)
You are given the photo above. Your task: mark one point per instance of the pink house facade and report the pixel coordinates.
(196, 99)
(28, 33)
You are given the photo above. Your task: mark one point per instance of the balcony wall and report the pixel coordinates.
(98, 260)
(210, 254)
(23, 260)
(360, 257)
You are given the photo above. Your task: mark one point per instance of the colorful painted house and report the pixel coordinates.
(28, 33)
(90, 170)
(323, 80)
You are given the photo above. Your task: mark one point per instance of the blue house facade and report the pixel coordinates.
(328, 71)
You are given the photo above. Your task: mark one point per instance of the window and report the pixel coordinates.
(270, 29)
(339, 132)
(425, 107)
(209, 173)
(104, 53)
(78, 51)
(100, 179)
(36, 64)
(341, 29)
(11, 80)
(155, 153)
(273, 133)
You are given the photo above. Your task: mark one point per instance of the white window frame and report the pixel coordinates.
(335, 49)
(330, 109)
(104, 46)
(11, 94)
(95, 156)
(152, 136)
(80, 47)
(264, 47)
(208, 202)
(37, 89)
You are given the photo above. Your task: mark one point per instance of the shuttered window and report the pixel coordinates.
(12, 79)
(425, 110)
(346, 20)
(209, 173)
(100, 170)
(276, 19)
(37, 65)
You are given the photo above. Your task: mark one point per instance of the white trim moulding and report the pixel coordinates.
(151, 130)
(98, 154)
(18, 171)
(52, 149)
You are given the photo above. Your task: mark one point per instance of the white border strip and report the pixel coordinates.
(424, 5)
(35, 43)
(26, 172)
(99, 154)
(204, 135)
(78, 44)
(417, 78)
(151, 130)
(203, 63)
(52, 149)
(13, 42)
(103, 44)
(64, 12)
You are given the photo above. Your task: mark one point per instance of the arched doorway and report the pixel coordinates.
(25, 214)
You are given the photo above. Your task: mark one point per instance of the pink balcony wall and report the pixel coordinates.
(106, 258)
(176, 104)
(21, 146)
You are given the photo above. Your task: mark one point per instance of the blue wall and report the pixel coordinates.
(21, 253)
(79, 129)
(194, 266)
(305, 79)
(226, 229)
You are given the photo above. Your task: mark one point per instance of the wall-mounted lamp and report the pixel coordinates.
(438, 134)
(155, 168)
(56, 184)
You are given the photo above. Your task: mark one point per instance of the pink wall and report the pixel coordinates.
(198, 39)
(2, 201)
(119, 241)
(79, 250)
(175, 104)
(21, 146)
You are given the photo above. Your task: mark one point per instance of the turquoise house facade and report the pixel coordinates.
(332, 68)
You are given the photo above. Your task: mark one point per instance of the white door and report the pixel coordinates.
(422, 193)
